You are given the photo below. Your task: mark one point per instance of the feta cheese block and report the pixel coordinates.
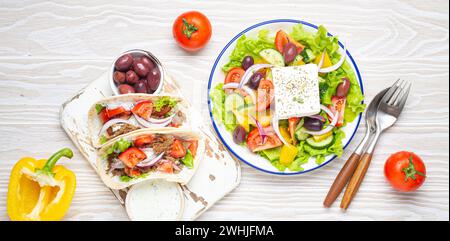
(296, 91)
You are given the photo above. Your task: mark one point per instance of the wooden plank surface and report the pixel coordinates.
(49, 50)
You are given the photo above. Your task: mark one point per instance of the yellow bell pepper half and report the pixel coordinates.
(288, 154)
(39, 190)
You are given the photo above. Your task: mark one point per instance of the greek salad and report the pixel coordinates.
(287, 95)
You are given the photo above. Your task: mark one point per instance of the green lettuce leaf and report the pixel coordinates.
(188, 160)
(246, 46)
(165, 101)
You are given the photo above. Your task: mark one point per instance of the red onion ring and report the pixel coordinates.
(149, 124)
(150, 161)
(231, 85)
(250, 92)
(317, 117)
(276, 128)
(113, 122)
(261, 131)
(328, 111)
(158, 121)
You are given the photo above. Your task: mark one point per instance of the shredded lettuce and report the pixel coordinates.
(119, 146)
(165, 101)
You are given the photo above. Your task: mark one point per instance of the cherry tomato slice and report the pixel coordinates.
(144, 140)
(338, 104)
(282, 38)
(103, 116)
(234, 75)
(165, 166)
(177, 149)
(116, 111)
(293, 122)
(264, 95)
(132, 156)
(143, 109)
(132, 172)
(255, 141)
(193, 147)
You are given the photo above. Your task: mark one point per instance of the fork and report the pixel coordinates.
(389, 109)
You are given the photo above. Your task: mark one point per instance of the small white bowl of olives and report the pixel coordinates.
(136, 71)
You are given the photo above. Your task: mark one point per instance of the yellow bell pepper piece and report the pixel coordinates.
(323, 136)
(39, 190)
(288, 154)
(285, 133)
(326, 60)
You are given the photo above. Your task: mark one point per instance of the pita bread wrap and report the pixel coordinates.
(182, 175)
(117, 126)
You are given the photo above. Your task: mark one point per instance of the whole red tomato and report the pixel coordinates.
(192, 30)
(405, 171)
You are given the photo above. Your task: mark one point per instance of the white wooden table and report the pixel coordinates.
(50, 50)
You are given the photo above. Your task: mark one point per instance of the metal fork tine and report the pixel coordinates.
(390, 92)
(404, 96)
(397, 93)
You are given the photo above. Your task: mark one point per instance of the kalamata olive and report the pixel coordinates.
(289, 52)
(343, 88)
(140, 68)
(313, 124)
(141, 86)
(147, 61)
(125, 89)
(254, 80)
(239, 134)
(119, 77)
(131, 77)
(124, 62)
(153, 80)
(247, 62)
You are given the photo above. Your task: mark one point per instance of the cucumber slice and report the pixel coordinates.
(233, 102)
(297, 61)
(272, 56)
(320, 144)
(300, 134)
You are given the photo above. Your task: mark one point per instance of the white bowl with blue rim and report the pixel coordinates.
(242, 152)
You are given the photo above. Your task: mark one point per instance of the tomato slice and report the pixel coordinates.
(103, 116)
(234, 75)
(177, 149)
(166, 166)
(293, 122)
(338, 104)
(193, 147)
(143, 109)
(116, 111)
(255, 141)
(264, 95)
(144, 140)
(282, 38)
(132, 172)
(132, 156)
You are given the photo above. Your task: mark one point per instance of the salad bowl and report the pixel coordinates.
(241, 151)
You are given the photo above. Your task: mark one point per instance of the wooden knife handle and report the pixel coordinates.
(341, 179)
(356, 180)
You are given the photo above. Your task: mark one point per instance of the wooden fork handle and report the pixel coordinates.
(341, 179)
(356, 180)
